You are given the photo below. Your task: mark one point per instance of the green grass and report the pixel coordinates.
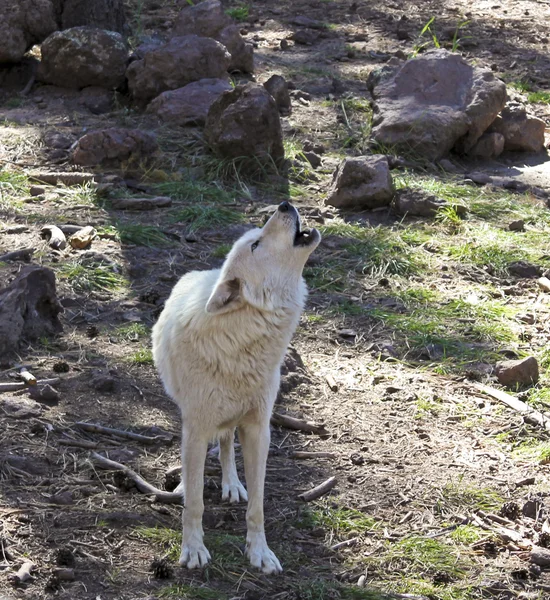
(91, 277)
(196, 191)
(336, 520)
(467, 496)
(466, 534)
(143, 356)
(533, 451)
(169, 540)
(132, 331)
(143, 235)
(539, 97)
(239, 12)
(521, 85)
(221, 251)
(13, 185)
(356, 123)
(205, 216)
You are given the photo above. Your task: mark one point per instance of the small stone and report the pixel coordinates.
(489, 145)
(524, 269)
(518, 372)
(518, 225)
(103, 383)
(278, 88)
(284, 44)
(37, 190)
(305, 37)
(532, 508)
(44, 393)
(357, 459)
(313, 159)
(64, 498)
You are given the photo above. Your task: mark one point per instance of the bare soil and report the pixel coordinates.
(418, 451)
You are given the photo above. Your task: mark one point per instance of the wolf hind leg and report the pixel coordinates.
(232, 489)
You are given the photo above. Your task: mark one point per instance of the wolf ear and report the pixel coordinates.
(225, 297)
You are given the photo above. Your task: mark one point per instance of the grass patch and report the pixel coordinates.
(356, 123)
(132, 332)
(466, 534)
(143, 356)
(336, 520)
(143, 235)
(239, 12)
(205, 216)
(91, 277)
(468, 496)
(539, 97)
(221, 251)
(195, 191)
(182, 591)
(534, 451)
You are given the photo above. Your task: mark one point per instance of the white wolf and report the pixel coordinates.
(218, 346)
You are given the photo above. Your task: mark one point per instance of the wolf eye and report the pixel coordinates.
(255, 245)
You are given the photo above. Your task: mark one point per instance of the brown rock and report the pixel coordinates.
(489, 145)
(83, 238)
(524, 269)
(83, 56)
(113, 145)
(179, 62)
(361, 182)
(305, 37)
(278, 88)
(189, 105)
(518, 225)
(208, 19)
(434, 103)
(522, 132)
(28, 309)
(512, 373)
(22, 24)
(415, 203)
(245, 123)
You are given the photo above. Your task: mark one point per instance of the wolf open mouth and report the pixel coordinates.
(303, 237)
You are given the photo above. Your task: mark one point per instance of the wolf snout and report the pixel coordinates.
(285, 206)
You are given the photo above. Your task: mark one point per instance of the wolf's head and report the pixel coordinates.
(264, 267)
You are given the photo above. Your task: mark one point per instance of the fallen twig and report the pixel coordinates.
(64, 178)
(141, 203)
(130, 435)
(297, 424)
(300, 454)
(319, 490)
(24, 572)
(529, 414)
(23, 254)
(142, 485)
(345, 543)
(21, 385)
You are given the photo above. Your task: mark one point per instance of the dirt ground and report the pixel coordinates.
(421, 456)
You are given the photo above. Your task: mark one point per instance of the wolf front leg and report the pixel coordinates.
(232, 488)
(193, 455)
(255, 438)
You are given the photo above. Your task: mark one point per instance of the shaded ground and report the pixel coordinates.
(403, 317)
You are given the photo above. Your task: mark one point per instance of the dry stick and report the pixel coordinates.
(529, 414)
(13, 387)
(64, 178)
(27, 376)
(130, 435)
(24, 572)
(80, 444)
(297, 424)
(300, 454)
(142, 485)
(318, 491)
(141, 203)
(24, 254)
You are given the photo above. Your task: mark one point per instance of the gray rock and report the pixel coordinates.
(176, 64)
(97, 100)
(208, 19)
(22, 24)
(518, 372)
(518, 225)
(29, 309)
(361, 182)
(190, 104)
(489, 145)
(434, 103)
(103, 383)
(83, 56)
(114, 145)
(305, 37)
(415, 203)
(44, 393)
(278, 88)
(522, 132)
(245, 123)
(524, 269)
(313, 159)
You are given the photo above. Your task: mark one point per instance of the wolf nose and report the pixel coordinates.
(284, 206)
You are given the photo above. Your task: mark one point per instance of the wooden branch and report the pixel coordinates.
(141, 203)
(142, 485)
(299, 454)
(24, 254)
(24, 572)
(319, 490)
(80, 444)
(56, 238)
(529, 414)
(63, 178)
(297, 424)
(130, 435)
(13, 387)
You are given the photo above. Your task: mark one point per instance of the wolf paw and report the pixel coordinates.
(263, 558)
(194, 555)
(234, 492)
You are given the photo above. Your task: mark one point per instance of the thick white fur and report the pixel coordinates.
(218, 346)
